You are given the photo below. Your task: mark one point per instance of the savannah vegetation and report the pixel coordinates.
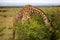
(34, 29)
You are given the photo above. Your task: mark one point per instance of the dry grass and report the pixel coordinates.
(6, 19)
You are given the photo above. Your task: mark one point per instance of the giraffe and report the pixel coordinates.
(27, 11)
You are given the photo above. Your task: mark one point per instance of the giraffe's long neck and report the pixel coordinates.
(44, 17)
(32, 9)
(42, 14)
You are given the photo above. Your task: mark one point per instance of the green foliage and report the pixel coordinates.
(54, 15)
(33, 29)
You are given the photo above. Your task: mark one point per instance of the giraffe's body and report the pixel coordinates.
(28, 10)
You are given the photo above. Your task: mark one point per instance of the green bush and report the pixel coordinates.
(33, 29)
